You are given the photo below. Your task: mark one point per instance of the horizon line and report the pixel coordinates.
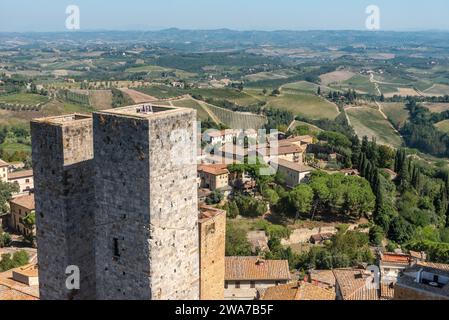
(227, 29)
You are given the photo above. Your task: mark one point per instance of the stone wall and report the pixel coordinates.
(212, 233)
(147, 245)
(62, 153)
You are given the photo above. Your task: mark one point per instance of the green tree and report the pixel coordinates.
(236, 242)
(5, 239)
(376, 235)
(6, 191)
(301, 198)
(232, 210)
(271, 196)
(29, 222)
(215, 197)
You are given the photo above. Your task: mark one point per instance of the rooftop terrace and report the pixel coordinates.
(143, 110)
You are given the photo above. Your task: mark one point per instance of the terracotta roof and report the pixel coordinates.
(397, 258)
(215, 133)
(326, 277)
(215, 169)
(24, 201)
(298, 291)
(208, 212)
(20, 174)
(253, 268)
(3, 163)
(353, 284)
(442, 267)
(10, 294)
(296, 166)
(387, 291)
(297, 139)
(11, 289)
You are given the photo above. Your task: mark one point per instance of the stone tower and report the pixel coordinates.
(62, 150)
(146, 198)
(212, 234)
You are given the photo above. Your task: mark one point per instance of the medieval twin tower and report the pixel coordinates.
(116, 196)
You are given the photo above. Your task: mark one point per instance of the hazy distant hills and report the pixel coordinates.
(224, 38)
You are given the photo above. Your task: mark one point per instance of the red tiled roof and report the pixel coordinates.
(20, 174)
(295, 291)
(215, 169)
(3, 163)
(25, 201)
(387, 291)
(208, 212)
(353, 284)
(253, 268)
(296, 166)
(395, 258)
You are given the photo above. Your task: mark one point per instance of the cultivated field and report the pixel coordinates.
(437, 107)
(308, 105)
(278, 74)
(437, 90)
(192, 104)
(137, 96)
(336, 76)
(23, 98)
(403, 92)
(359, 83)
(396, 112)
(443, 126)
(238, 120)
(305, 87)
(369, 122)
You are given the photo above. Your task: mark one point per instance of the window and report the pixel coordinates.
(116, 248)
(27, 181)
(253, 284)
(226, 284)
(237, 285)
(436, 279)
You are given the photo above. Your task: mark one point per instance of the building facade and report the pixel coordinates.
(3, 171)
(212, 236)
(293, 173)
(213, 176)
(20, 207)
(244, 276)
(24, 179)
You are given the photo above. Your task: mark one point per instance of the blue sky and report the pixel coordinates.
(49, 15)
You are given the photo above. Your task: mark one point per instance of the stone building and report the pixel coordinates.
(213, 176)
(24, 179)
(423, 281)
(3, 171)
(20, 207)
(116, 195)
(246, 276)
(62, 151)
(146, 242)
(212, 229)
(294, 173)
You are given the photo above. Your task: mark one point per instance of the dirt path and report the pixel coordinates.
(138, 97)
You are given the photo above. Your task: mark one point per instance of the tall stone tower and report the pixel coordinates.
(212, 233)
(62, 150)
(146, 197)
